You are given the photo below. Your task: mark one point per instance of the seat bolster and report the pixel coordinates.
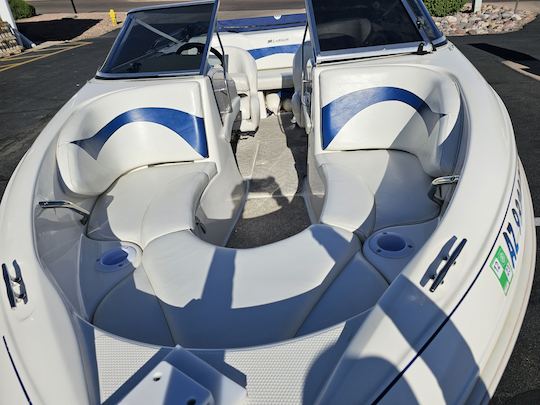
(349, 204)
(173, 208)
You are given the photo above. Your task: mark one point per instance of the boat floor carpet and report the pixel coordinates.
(274, 161)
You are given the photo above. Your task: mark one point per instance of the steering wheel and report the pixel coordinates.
(200, 47)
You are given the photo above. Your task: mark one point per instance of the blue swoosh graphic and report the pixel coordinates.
(188, 126)
(273, 50)
(262, 23)
(340, 111)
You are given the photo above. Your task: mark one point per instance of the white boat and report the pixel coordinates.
(409, 285)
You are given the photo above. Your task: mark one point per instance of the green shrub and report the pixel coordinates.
(440, 8)
(21, 9)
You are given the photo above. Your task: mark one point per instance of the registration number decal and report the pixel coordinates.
(501, 266)
(503, 263)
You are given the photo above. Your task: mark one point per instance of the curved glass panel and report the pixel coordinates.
(422, 15)
(162, 40)
(350, 24)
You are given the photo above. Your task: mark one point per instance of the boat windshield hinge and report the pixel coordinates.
(435, 193)
(421, 50)
(439, 279)
(68, 205)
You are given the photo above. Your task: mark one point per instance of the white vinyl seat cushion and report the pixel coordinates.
(275, 79)
(242, 88)
(215, 297)
(243, 70)
(129, 306)
(149, 202)
(367, 190)
(241, 82)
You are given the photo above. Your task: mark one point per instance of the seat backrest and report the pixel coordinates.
(114, 133)
(271, 49)
(413, 109)
(242, 64)
(240, 61)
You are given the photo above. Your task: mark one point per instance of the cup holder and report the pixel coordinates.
(390, 245)
(116, 258)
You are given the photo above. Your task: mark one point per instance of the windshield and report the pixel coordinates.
(424, 19)
(352, 24)
(162, 40)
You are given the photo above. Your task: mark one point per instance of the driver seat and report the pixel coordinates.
(242, 68)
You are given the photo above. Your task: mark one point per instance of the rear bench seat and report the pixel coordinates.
(273, 52)
(195, 294)
(275, 79)
(381, 137)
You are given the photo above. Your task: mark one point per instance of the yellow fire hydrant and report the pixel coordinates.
(112, 14)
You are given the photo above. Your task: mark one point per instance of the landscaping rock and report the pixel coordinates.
(492, 19)
(8, 43)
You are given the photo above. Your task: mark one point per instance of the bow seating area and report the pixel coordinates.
(186, 289)
(165, 193)
(206, 296)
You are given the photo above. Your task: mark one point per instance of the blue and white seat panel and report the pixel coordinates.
(412, 109)
(384, 133)
(123, 130)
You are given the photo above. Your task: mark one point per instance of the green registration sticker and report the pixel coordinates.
(501, 267)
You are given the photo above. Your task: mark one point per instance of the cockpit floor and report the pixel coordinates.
(274, 161)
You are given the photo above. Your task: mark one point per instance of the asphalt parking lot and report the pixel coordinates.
(32, 92)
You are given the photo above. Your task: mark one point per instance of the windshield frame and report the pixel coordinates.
(203, 68)
(378, 50)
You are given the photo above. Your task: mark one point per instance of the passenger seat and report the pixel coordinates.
(242, 69)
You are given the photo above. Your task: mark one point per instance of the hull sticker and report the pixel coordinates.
(501, 266)
(504, 261)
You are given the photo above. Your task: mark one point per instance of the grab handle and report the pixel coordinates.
(68, 205)
(437, 183)
(449, 263)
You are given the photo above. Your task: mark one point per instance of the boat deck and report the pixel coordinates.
(274, 161)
